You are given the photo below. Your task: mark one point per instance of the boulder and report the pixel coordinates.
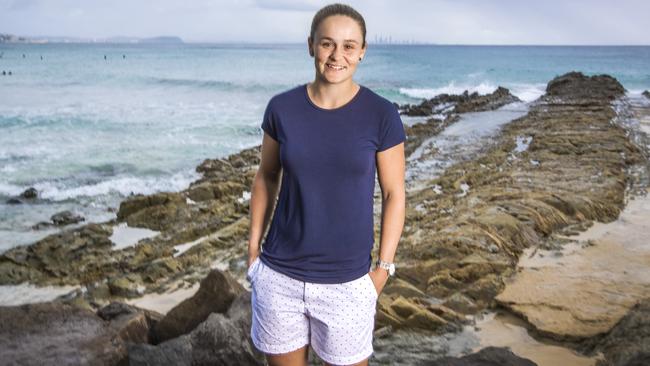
(215, 295)
(576, 85)
(66, 218)
(140, 202)
(62, 334)
(29, 193)
(488, 356)
(129, 322)
(125, 286)
(461, 303)
(628, 343)
(221, 339)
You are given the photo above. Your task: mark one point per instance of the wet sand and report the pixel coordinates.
(505, 330)
(163, 303)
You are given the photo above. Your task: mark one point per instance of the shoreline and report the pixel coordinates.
(460, 240)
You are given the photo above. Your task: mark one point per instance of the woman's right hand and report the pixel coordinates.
(250, 261)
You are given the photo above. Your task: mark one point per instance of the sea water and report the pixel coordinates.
(89, 124)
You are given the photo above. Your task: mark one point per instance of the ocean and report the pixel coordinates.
(89, 124)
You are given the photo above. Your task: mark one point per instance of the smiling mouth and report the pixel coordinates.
(335, 67)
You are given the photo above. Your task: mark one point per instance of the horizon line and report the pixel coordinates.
(101, 41)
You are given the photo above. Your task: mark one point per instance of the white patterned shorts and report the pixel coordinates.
(336, 319)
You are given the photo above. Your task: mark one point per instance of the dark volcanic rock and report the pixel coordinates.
(125, 286)
(628, 343)
(217, 292)
(61, 334)
(646, 94)
(29, 193)
(48, 261)
(222, 339)
(43, 225)
(500, 97)
(489, 356)
(66, 218)
(129, 322)
(575, 85)
(461, 103)
(156, 212)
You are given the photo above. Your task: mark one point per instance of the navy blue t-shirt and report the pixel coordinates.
(322, 227)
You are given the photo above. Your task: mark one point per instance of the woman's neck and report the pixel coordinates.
(329, 96)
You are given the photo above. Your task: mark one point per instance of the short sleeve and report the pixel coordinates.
(269, 121)
(392, 130)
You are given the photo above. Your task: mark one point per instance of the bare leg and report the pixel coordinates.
(293, 358)
(362, 363)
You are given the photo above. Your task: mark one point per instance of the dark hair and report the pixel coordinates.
(338, 9)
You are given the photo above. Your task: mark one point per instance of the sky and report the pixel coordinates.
(549, 22)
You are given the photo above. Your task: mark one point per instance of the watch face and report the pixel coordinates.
(391, 270)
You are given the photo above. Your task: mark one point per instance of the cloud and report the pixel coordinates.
(436, 21)
(290, 5)
(18, 5)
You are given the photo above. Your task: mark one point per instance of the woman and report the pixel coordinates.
(311, 280)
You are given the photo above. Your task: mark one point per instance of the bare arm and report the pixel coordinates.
(390, 171)
(263, 194)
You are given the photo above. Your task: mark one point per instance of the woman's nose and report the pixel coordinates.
(335, 54)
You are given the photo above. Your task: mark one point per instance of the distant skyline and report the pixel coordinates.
(493, 22)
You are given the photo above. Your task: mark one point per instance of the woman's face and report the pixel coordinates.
(336, 48)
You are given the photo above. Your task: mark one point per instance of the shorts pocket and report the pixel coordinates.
(371, 285)
(252, 269)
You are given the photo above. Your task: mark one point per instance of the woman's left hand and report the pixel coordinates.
(379, 278)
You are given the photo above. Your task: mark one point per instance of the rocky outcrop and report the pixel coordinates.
(462, 103)
(498, 98)
(62, 218)
(66, 218)
(576, 86)
(217, 333)
(215, 295)
(65, 334)
(646, 94)
(462, 240)
(217, 209)
(48, 260)
(584, 271)
(29, 193)
(628, 343)
(222, 339)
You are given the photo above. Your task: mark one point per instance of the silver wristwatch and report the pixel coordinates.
(390, 267)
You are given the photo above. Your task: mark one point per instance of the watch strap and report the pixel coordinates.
(386, 265)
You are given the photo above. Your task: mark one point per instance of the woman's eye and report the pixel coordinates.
(349, 47)
(326, 44)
